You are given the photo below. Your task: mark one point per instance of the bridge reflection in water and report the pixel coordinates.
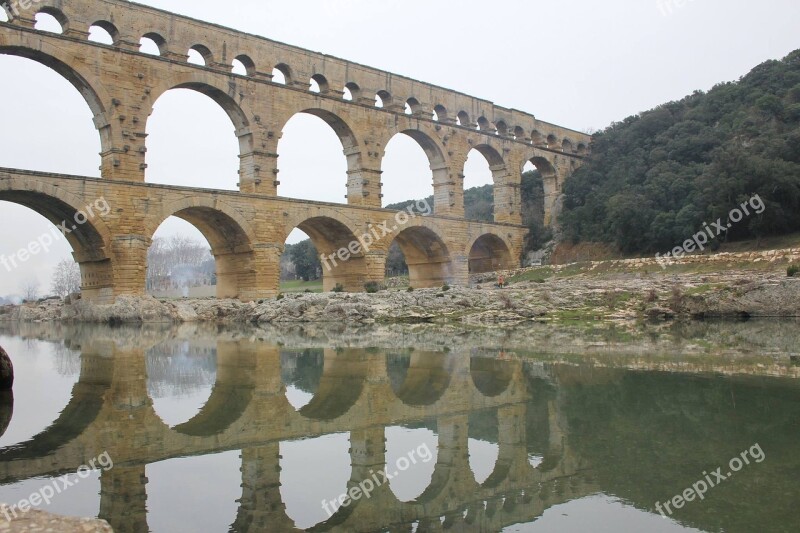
(561, 432)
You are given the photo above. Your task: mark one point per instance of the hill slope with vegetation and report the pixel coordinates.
(654, 179)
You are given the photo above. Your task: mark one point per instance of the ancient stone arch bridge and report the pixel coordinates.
(247, 229)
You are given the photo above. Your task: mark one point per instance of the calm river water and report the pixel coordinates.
(412, 428)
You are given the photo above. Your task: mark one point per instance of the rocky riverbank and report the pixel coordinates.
(549, 294)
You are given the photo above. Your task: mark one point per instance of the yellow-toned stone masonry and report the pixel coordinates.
(247, 229)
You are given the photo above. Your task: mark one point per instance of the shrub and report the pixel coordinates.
(338, 288)
(410, 289)
(372, 287)
(793, 270)
(445, 287)
(280, 296)
(652, 296)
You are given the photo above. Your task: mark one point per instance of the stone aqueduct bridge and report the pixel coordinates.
(248, 410)
(247, 229)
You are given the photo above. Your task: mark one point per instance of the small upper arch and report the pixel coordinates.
(48, 17)
(383, 99)
(352, 92)
(440, 113)
(484, 124)
(104, 32)
(567, 146)
(318, 84)
(413, 106)
(501, 128)
(153, 43)
(202, 56)
(462, 119)
(282, 74)
(243, 65)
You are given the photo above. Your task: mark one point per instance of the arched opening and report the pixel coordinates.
(411, 452)
(41, 264)
(352, 92)
(301, 460)
(152, 44)
(407, 175)
(51, 20)
(540, 192)
(462, 119)
(440, 113)
(179, 262)
(185, 263)
(301, 373)
(489, 254)
(40, 366)
(519, 133)
(103, 32)
(200, 55)
(187, 143)
(427, 257)
(243, 66)
(485, 125)
(50, 105)
(552, 141)
(483, 168)
(537, 138)
(413, 106)
(341, 268)
(420, 378)
(566, 146)
(383, 99)
(491, 376)
(323, 384)
(581, 149)
(282, 74)
(482, 443)
(301, 269)
(180, 378)
(311, 152)
(318, 84)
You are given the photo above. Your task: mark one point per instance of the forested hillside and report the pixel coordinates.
(653, 179)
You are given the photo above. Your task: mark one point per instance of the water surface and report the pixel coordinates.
(522, 430)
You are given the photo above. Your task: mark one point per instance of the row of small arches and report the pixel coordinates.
(104, 32)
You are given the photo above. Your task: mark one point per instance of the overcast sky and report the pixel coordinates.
(581, 64)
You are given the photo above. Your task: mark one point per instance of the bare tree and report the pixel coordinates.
(30, 289)
(178, 262)
(66, 278)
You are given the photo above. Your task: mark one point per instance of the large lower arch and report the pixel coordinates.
(489, 253)
(88, 236)
(333, 240)
(427, 256)
(94, 97)
(231, 238)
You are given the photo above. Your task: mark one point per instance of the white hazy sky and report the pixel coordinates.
(581, 64)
